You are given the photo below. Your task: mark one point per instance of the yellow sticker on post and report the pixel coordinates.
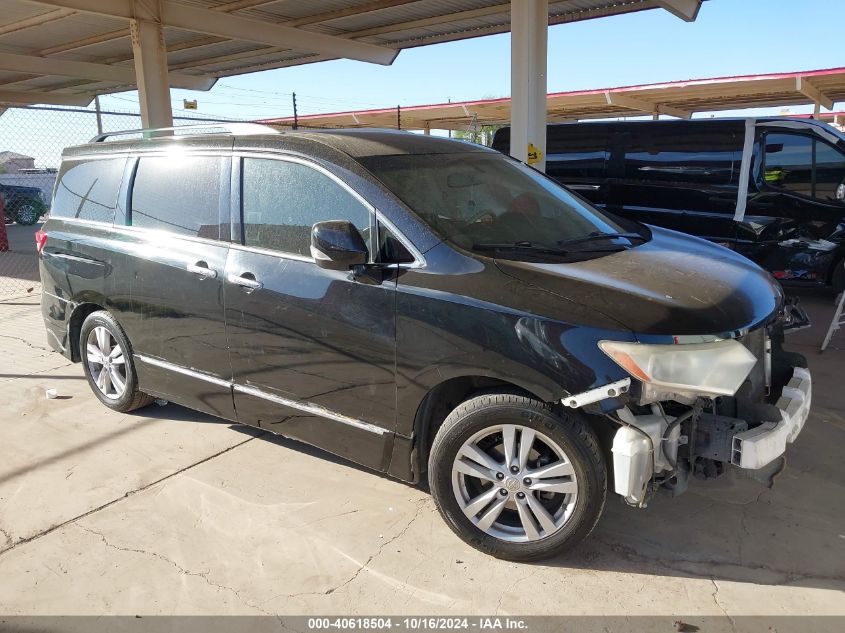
(534, 154)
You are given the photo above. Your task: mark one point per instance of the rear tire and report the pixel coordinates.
(546, 498)
(107, 361)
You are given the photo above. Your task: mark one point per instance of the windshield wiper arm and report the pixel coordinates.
(602, 236)
(539, 248)
(518, 246)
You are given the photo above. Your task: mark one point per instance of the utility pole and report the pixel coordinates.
(295, 115)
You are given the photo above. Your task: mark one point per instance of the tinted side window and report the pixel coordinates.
(575, 153)
(282, 200)
(179, 194)
(789, 163)
(390, 249)
(88, 190)
(697, 154)
(830, 171)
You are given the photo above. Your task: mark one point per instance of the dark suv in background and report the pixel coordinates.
(772, 189)
(21, 204)
(426, 308)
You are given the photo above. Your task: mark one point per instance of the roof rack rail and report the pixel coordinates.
(235, 127)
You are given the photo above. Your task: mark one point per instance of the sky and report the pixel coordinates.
(730, 37)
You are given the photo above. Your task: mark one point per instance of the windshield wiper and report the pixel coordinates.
(539, 248)
(602, 236)
(519, 246)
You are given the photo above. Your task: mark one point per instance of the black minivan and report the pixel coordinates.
(772, 189)
(427, 308)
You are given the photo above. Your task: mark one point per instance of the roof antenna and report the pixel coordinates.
(398, 117)
(295, 117)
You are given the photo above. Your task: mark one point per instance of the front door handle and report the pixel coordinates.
(246, 280)
(201, 268)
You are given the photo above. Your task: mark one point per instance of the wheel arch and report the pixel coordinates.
(74, 326)
(442, 399)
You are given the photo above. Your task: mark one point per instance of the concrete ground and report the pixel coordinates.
(19, 264)
(167, 511)
(22, 238)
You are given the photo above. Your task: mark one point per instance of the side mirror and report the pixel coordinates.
(337, 245)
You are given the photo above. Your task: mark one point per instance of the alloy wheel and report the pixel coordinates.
(26, 214)
(514, 483)
(106, 362)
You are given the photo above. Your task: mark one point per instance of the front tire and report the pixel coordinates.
(107, 362)
(515, 479)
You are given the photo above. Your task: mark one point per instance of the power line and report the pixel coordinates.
(287, 95)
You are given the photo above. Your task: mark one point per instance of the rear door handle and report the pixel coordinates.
(201, 268)
(245, 281)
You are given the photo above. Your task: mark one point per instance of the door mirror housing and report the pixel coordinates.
(337, 245)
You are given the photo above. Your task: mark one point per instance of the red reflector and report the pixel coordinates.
(40, 239)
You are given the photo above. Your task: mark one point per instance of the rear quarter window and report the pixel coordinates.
(694, 153)
(87, 190)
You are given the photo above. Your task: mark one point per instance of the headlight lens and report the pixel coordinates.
(717, 368)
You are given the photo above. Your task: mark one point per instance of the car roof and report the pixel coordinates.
(383, 142)
(356, 143)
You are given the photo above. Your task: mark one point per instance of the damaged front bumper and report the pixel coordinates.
(655, 449)
(757, 447)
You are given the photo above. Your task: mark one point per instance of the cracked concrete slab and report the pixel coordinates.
(65, 457)
(276, 527)
(171, 512)
(23, 340)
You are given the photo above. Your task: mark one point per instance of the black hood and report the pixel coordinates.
(674, 284)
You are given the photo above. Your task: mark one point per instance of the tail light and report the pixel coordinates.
(40, 240)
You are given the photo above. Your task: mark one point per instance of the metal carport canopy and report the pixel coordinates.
(66, 51)
(678, 98)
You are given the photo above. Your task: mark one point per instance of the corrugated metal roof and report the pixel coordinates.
(678, 98)
(59, 30)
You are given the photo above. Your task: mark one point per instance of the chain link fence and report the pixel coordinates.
(31, 144)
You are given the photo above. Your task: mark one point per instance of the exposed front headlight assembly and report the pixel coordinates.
(715, 369)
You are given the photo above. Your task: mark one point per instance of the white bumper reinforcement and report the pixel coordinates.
(599, 393)
(761, 445)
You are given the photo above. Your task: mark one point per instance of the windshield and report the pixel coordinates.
(486, 202)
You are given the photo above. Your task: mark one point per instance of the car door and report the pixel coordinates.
(312, 350)
(800, 181)
(796, 205)
(170, 291)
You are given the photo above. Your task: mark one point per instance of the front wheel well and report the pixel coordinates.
(442, 400)
(74, 327)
